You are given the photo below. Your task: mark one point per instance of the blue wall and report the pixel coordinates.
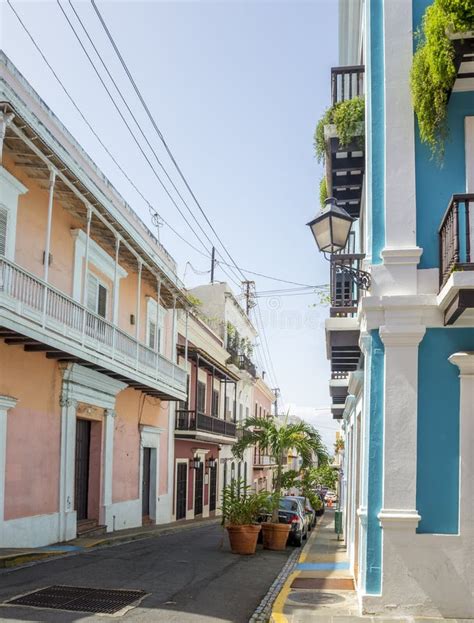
(373, 581)
(436, 183)
(376, 127)
(437, 482)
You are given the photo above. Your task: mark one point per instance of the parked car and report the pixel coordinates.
(291, 511)
(309, 511)
(330, 496)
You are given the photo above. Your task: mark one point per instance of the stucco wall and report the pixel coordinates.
(33, 429)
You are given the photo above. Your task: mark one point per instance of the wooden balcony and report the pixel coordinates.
(42, 318)
(190, 421)
(456, 259)
(347, 82)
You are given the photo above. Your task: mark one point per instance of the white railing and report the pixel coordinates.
(56, 312)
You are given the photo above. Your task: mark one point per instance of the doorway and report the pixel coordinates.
(146, 481)
(82, 464)
(181, 486)
(212, 488)
(198, 486)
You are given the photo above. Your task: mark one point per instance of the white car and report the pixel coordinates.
(330, 496)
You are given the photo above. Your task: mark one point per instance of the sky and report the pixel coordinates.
(236, 89)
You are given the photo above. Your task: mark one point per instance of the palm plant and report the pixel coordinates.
(277, 437)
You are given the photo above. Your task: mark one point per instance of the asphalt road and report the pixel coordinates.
(191, 577)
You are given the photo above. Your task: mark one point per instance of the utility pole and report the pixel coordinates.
(249, 295)
(276, 391)
(213, 263)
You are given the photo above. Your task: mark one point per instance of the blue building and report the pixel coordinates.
(401, 333)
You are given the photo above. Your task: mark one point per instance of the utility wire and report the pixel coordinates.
(153, 122)
(151, 209)
(137, 124)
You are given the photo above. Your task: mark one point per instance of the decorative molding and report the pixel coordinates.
(85, 385)
(10, 189)
(398, 518)
(356, 382)
(110, 413)
(402, 335)
(8, 178)
(7, 402)
(401, 256)
(464, 361)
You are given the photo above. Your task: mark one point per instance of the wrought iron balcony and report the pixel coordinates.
(347, 280)
(245, 363)
(42, 318)
(456, 257)
(455, 237)
(347, 82)
(191, 421)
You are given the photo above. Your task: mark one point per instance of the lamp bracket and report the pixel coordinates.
(360, 277)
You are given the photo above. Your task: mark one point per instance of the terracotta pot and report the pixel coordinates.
(243, 539)
(275, 535)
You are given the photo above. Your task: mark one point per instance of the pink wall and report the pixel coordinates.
(134, 409)
(184, 450)
(33, 429)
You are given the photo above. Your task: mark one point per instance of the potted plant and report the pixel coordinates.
(344, 121)
(277, 436)
(447, 25)
(240, 511)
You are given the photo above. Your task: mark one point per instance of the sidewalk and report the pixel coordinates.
(321, 586)
(13, 557)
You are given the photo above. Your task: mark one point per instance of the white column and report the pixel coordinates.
(401, 254)
(116, 281)
(5, 119)
(465, 362)
(139, 296)
(174, 337)
(47, 246)
(186, 344)
(67, 514)
(107, 469)
(400, 424)
(6, 403)
(86, 257)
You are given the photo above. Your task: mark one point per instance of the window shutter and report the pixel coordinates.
(3, 230)
(151, 333)
(102, 301)
(92, 291)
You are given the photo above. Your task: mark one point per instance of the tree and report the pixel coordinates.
(277, 437)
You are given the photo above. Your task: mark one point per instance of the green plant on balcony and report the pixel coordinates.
(433, 71)
(323, 190)
(347, 117)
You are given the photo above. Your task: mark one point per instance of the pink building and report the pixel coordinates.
(263, 463)
(88, 363)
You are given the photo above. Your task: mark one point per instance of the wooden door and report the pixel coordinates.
(81, 484)
(146, 482)
(181, 487)
(198, 485)
(212, 488)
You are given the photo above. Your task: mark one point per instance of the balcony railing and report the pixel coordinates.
(456, 236)
(347, 82)
(264, 461)
(346, 283)
(41, 304)
(245, 363)
(192, 421)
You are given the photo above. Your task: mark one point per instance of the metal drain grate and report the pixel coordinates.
(314, 598)
(80, 599)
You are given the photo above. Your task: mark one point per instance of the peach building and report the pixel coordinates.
(89, 376)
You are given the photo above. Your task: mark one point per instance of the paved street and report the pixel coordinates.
(190, 577)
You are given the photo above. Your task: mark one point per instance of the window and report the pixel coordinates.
(227, 407)
(241, 412)
(154, 337)
(215, 403)
(201, 397)
(97, 295)
(256, 410)
(247, 413)
(260, 413)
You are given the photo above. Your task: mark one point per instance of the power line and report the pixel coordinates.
(153, 122)
(136, 122)
(151, 209)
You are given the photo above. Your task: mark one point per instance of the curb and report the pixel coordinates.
(75, 547)
(264, 609)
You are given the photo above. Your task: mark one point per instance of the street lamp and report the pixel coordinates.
(211, 462)
(195, 462)
(331, 227)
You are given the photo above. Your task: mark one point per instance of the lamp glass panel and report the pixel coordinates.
(322, 233)
(340, 231)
